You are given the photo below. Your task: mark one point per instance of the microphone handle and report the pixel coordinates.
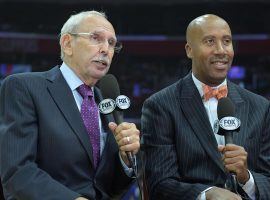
(228, 137)
(233, 183)
(118, 117)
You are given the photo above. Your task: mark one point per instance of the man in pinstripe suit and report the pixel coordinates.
(185, 158)
(46, 147)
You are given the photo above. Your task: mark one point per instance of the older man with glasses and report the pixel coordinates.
(54, 142)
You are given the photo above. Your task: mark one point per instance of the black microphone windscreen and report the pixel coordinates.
(109, 87)
(225, 108)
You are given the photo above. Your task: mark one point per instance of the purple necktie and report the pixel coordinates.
(89, 113)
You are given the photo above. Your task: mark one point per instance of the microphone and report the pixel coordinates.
(227, 120)
(228, 123)
(109, 88)
(110, 91)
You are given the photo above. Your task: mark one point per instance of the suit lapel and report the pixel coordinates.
(241, 112)
(63, 97)
(195, 113)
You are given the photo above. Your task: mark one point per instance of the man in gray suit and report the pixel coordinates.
(54, 144)
(185, 158)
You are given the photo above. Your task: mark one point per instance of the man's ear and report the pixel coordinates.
(188, 50)
(66, 44)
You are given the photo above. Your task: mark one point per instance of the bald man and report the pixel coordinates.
(185, 157)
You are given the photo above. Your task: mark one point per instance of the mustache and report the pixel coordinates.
(224, 58)
(103, 59)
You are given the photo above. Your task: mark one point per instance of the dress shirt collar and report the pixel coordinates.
(72, 79)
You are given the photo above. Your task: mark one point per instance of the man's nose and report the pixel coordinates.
(220, 48)
(104, 47)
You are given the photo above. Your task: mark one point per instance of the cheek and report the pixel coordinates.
(230, 51)
(90, 51)
(110, 54)
(203, 54)
(204, 58)
(231, 54)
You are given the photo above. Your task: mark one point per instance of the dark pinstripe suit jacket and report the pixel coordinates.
(181, 151)
(44, 147)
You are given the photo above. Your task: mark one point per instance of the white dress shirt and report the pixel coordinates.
(211, 110)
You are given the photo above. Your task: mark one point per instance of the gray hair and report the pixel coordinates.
(74, 22)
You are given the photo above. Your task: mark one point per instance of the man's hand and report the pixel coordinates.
(216, 193)
(235, 160)
(127, 137)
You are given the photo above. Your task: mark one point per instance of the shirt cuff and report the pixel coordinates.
(249, 187)
(202, 195)
(128, 170)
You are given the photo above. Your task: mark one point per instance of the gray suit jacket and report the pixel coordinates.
(182, 158)
(44, 147)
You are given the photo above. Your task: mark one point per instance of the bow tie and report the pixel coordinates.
(218, 93)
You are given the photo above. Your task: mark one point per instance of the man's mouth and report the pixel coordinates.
(102, 62)
(219, 62)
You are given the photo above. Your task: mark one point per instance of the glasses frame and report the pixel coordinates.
(118, 45)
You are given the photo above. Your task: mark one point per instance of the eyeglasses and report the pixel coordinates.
(98, 39)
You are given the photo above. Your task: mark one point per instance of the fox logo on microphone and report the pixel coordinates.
(122, 102)
(229, 123)
(106, 106)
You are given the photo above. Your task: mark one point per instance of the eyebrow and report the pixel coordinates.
(102, 32)
(212, 36)
(208, 36)
(228, 36)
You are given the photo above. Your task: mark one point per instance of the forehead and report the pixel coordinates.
(212, 27)
(97, 24)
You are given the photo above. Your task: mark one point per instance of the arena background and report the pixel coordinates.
(153, 36)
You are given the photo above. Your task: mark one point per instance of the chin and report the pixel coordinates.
(220, 75)
(100, 74)
(216, 80)
(219, 80)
